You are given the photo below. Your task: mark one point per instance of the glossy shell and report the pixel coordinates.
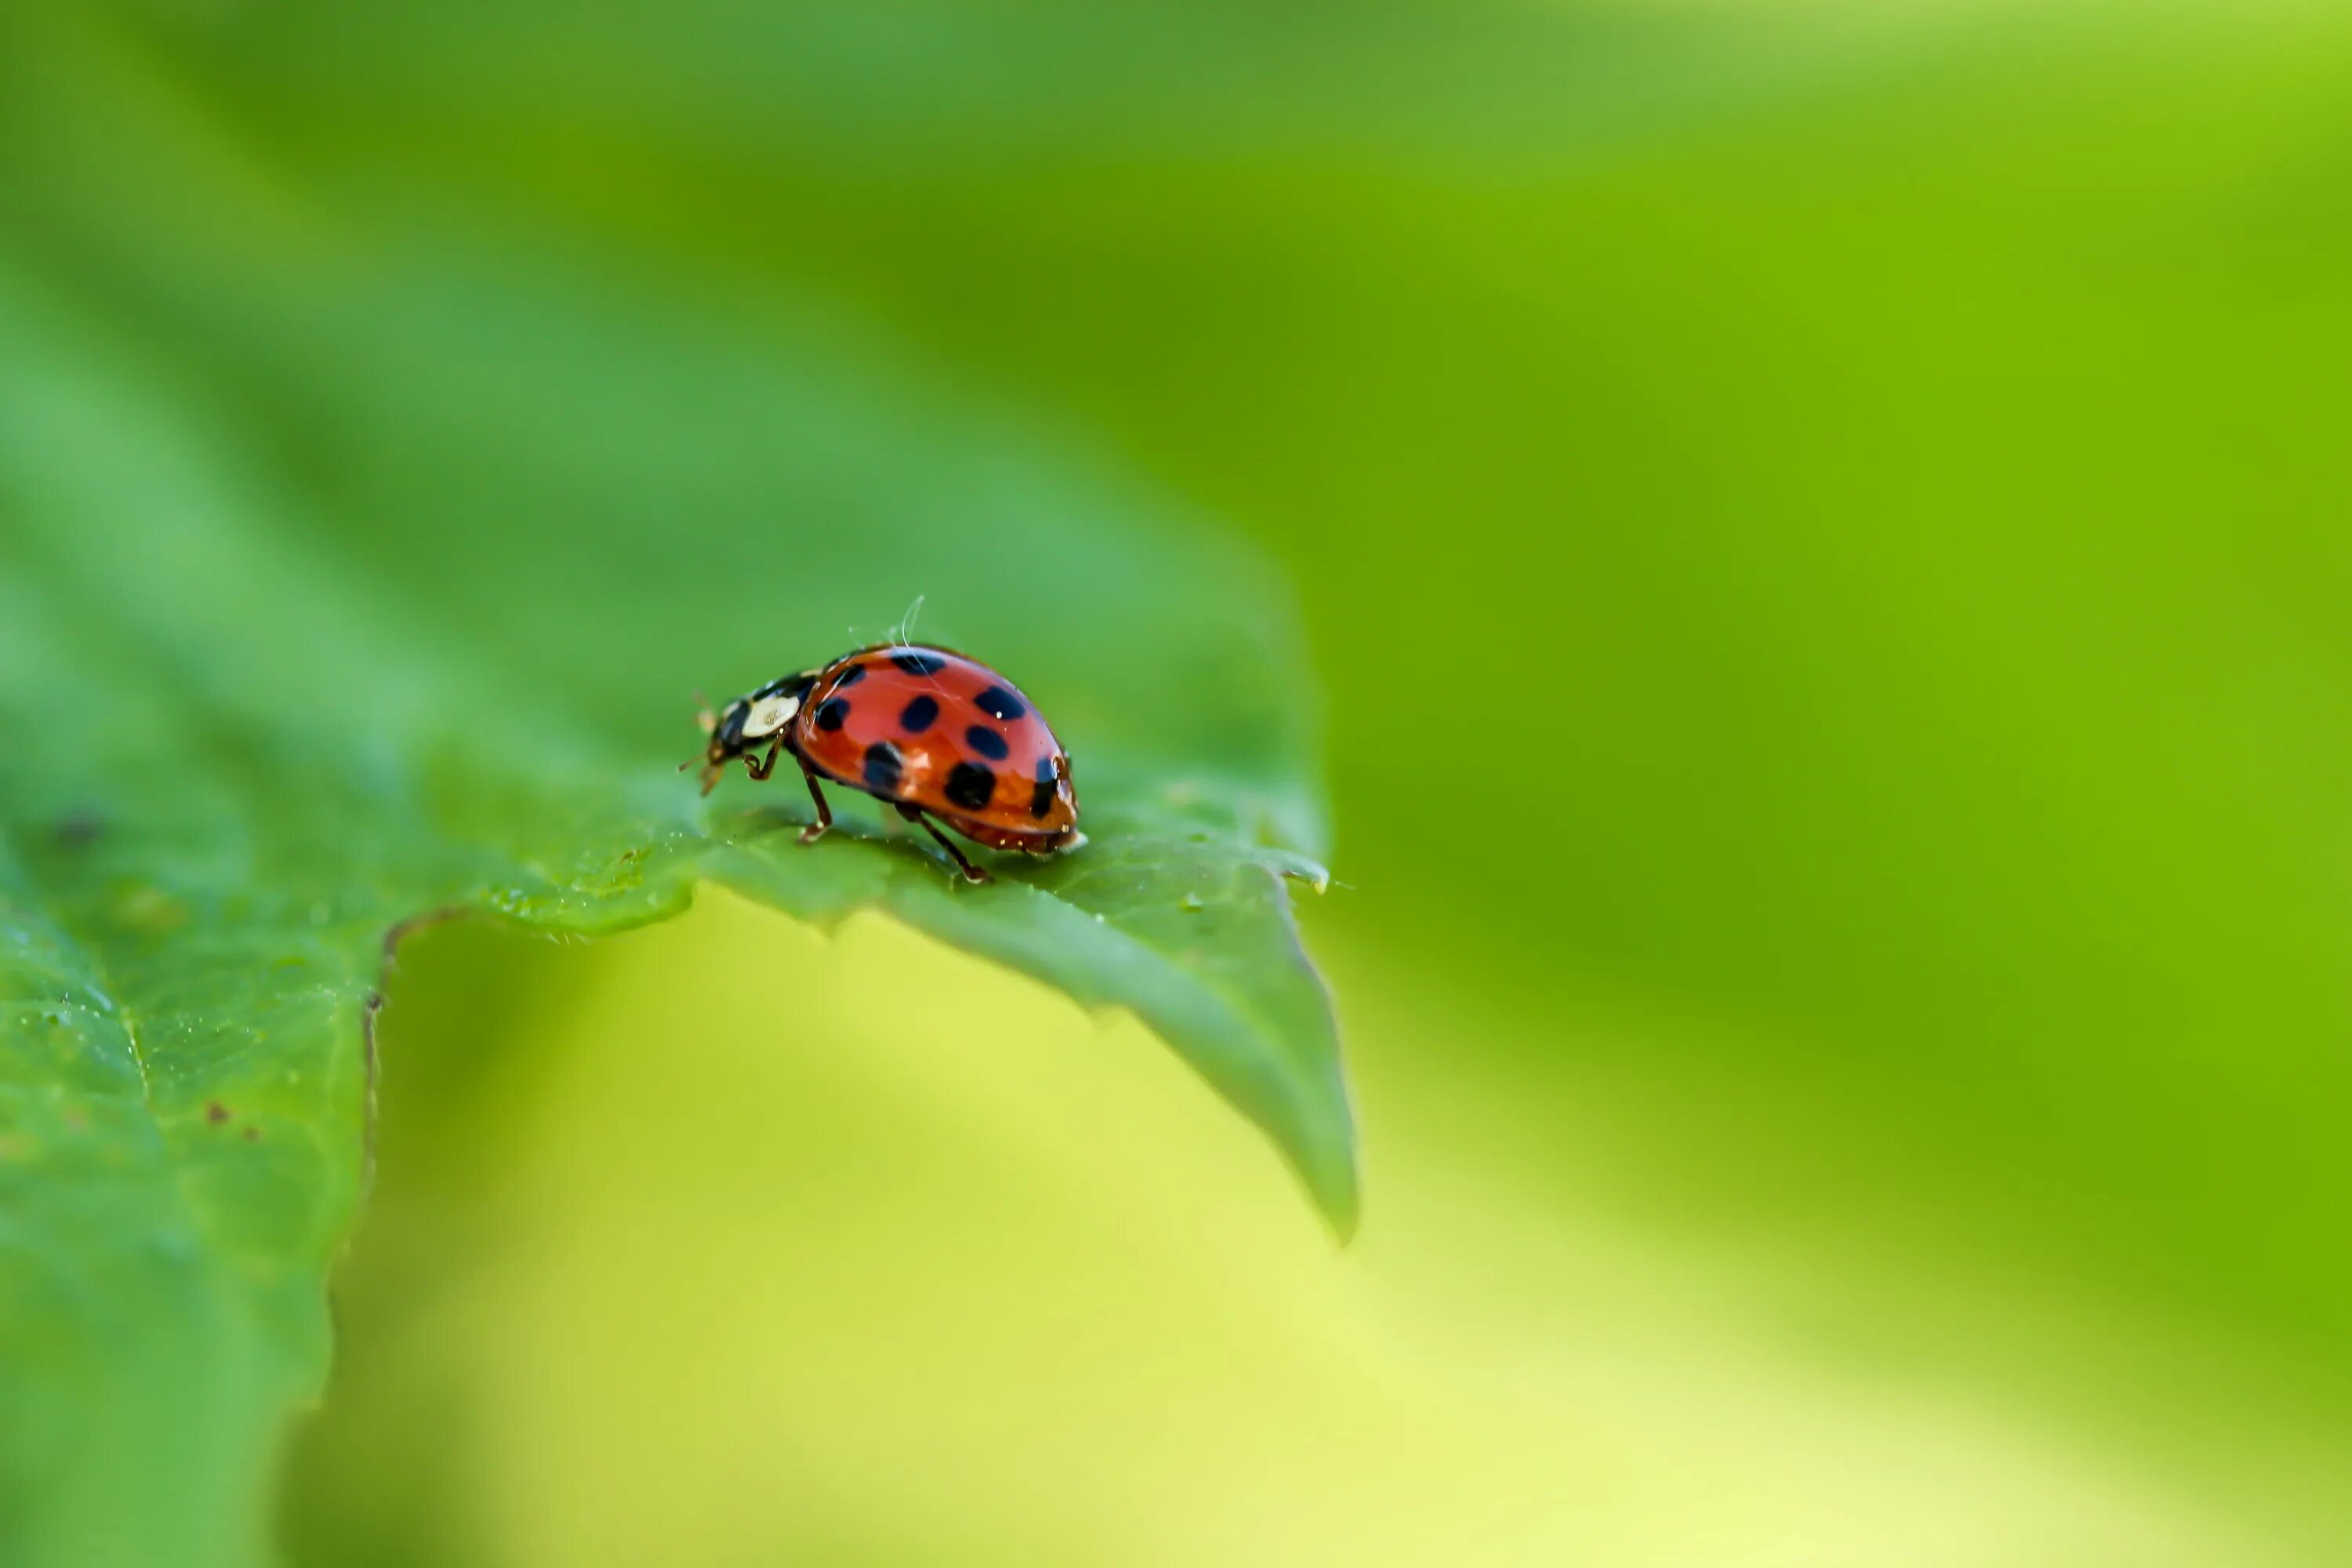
(930, 727)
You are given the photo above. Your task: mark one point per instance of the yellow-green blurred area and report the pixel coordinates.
(1822, 536)
(661, 1271)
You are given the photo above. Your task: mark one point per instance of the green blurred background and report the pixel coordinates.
(1822, 535)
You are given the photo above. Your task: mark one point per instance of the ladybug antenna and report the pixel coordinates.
(708, 722)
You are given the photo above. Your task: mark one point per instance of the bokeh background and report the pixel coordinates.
(1822, 537)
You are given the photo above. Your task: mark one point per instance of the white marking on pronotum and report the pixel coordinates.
(767, 715)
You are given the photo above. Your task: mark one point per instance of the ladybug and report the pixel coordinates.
(940, 737)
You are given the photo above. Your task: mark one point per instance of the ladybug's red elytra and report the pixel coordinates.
(940, 737)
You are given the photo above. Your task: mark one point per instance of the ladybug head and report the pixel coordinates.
(746, 725)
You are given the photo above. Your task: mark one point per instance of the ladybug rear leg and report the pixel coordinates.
(815, 830)
(972, 873)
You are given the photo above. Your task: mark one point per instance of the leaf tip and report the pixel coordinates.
(1342, 1210)
(1327, 1166)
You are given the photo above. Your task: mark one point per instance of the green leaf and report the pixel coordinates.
(359, 550)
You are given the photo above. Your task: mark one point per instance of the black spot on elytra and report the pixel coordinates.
(972, 786)
(1041, 798)
(882, 766)
(999, 704)
(918, 663)
(919, 713)
(849, 677)
(831, 712)
(987, 742)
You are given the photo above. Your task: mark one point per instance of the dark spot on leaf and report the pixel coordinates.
(75, 828)
(252, 1133)
(999, 704)
(215, 1112)
(987, 742)
(882, 767)
(920, 714)
(916, 663)
(972, 786)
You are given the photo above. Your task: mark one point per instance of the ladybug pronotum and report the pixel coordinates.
(939, 737)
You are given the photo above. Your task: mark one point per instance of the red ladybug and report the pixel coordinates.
(934, 734)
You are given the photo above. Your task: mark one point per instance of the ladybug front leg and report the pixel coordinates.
(815, 830)
(765, 765)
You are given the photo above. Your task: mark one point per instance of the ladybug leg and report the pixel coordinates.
(815, 830)
(764, 765)
(972, 873)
